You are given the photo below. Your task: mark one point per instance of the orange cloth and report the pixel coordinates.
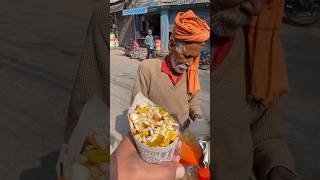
(189, 27)
(268, 74)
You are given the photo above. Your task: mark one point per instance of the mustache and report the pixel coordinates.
(226, 22)
(180, 68)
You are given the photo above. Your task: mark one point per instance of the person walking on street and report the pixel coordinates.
(149, 41)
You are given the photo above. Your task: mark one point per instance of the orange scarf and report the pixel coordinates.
(268, 74)
(189, 27)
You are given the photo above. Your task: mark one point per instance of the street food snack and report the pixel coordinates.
(153, 126)
(154, 130)
(91, 164)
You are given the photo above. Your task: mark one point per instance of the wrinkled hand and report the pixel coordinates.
(126, 163)
(197, 117)
(281, 173)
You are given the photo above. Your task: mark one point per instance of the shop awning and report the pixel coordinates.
(146, 3)
(182, 2)
(116, 7)
(140, 10)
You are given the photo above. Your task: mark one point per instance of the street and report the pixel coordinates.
(40, 48)
(122, 74)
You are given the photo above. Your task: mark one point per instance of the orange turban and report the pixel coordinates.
(189, 27)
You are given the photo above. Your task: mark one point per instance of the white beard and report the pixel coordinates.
(178, 68)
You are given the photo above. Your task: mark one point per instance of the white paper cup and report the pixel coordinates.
(150, 154)
(156, 154)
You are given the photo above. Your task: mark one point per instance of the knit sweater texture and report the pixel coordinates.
(92, 77)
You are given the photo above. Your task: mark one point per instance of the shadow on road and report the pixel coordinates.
(45, 171)
(122, 125)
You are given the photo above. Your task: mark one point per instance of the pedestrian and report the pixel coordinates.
(126, 163)
(173, 82)
(149, 41)
(248, 79)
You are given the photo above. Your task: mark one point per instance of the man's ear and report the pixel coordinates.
(171, 44)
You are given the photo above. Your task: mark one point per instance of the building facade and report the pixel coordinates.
(159, 16)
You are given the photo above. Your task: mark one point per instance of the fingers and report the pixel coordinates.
(176, 158)
(177, 153)
(178, 147)
(164, 170)
(172, 170)
(127, 146)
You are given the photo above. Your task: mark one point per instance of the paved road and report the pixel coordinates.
(40, 45)
(122, 74)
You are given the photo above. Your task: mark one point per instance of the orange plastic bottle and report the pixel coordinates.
(203, 174)
(191, 157)
(191, 153)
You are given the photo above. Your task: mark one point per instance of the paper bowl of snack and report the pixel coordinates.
(154, 129)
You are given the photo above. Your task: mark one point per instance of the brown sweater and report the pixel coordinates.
(92, 77)
(157, 87)
(247, 136)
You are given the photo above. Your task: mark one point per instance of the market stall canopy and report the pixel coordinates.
(140, 10)
(116, 7)
(114, 1)
(149, 3)
(181, 2)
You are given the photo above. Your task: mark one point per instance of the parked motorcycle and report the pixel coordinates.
(132, 49)
(204, 62)
(302, 12)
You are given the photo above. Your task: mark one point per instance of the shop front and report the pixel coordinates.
(168, 15)
(160, 19)
(144, 23)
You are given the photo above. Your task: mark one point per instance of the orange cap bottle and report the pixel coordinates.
(203, 174)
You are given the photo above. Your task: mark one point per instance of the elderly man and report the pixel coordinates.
(174, 83)
(248, 78)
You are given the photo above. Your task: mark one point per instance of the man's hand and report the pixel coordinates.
(196, 117)
(126, 163)
(281, 173)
